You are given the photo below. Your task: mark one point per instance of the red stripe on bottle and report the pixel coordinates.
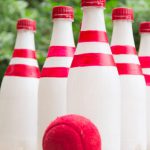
(129, 69)
(24, 53)
(93, 36)
(118, 49)
(92, 59)
(61, 51)
(147, 79)
(145, 61)
(23, 71)
(57, 72)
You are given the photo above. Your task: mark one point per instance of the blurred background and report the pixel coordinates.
(40, 10)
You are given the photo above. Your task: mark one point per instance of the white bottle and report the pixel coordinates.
(93, 82)
(19, 91)
(53, 81)
(133, 110)
(144, 56)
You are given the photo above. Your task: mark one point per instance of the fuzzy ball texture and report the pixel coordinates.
(71, 132)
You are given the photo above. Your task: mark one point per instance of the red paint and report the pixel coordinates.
(58, 72)
(93, 36)
(147, 79)
(118, 49)
(71, 132)
(129, 69)
(22, 71)
(24, 53)
(61, 51)
(145, 61)
(92, 59)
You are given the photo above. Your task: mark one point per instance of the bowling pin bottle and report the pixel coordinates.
(53, 81)
(144, 56)
(19, 91)
(133, 110)
(93, 82)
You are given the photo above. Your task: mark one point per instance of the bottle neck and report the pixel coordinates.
(145, 45)
(93, 19)
(25, 40)
(122, 33)
(62, 34)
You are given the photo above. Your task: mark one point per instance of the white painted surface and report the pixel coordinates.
(133, 113)
(96, 47)
(123, 58)
(25, 40)
(146, 70)
(122, 33)
(24, 61)
(62, 33)
(58, 62)
(52, 102)
(144, 45)
(18, 113)
(92, 19)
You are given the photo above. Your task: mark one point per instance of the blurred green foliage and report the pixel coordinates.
(40, 10)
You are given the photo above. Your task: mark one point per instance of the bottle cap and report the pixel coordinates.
(66, 12)
(26, 24)
(144, 27)
(97, 3)
(123, 14)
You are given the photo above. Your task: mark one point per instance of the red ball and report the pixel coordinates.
(72, 132)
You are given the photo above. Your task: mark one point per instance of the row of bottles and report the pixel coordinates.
(103, 83)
